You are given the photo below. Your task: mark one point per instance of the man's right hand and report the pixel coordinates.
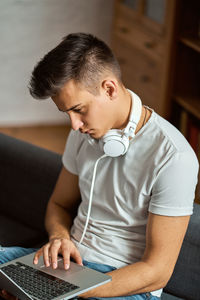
(57, 246)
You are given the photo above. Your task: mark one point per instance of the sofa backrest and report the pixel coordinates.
(27, 177)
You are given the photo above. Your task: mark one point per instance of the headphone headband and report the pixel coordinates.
(136, 111)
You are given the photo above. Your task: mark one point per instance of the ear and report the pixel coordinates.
(110, 88)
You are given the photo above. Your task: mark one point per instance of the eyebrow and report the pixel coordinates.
(71, 108)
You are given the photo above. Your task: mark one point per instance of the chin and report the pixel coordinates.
(95, 136)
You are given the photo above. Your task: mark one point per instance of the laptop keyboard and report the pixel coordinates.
(36, 283)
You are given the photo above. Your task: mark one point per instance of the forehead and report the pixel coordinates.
(70, 95)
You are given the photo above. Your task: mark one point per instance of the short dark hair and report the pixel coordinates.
(81, 57)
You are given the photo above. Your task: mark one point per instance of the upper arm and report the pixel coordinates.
(174, 187)
(164, 237)
(66, 192)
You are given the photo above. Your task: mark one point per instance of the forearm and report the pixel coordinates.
(133, 279)
(58, 221)
(163, 243)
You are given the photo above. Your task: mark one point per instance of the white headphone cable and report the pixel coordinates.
(90, 199)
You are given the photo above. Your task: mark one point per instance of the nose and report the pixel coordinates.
(76, 122)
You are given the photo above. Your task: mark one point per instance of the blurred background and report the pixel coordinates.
(157, 43)
(28, 30)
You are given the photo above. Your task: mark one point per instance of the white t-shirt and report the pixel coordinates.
(158, 174)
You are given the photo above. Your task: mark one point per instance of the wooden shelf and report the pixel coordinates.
(186, 73)
(190, 104)
(192, 42)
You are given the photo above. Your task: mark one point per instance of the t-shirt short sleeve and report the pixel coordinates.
(70, 152)
(174, 188)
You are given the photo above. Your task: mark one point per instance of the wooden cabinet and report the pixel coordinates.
(141, 73)
(142, 40)
(157, 43)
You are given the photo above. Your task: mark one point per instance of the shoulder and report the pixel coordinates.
(172, 135)
(167, 139)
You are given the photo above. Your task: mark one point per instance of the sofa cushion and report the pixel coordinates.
(14, 233)
(165, 296)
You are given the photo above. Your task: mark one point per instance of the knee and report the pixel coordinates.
(9, 253)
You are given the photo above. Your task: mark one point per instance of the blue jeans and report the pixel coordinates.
(10, 253)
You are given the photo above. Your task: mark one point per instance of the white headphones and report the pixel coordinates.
(116, 142)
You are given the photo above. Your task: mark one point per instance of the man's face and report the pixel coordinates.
(88, 113)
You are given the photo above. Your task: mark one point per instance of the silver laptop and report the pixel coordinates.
(27, 281)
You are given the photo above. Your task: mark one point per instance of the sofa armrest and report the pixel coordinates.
(185, 279)
(27, 174)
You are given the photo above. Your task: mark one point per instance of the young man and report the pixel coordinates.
(142, 199)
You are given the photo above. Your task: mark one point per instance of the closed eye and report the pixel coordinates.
(77, 110)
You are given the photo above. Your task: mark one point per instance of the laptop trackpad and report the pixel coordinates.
(61, 273)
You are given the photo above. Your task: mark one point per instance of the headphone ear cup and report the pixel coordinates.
(114, 144)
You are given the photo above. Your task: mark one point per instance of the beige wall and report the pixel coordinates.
(30, 28)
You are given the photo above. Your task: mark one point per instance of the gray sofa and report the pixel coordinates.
(27, 177)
